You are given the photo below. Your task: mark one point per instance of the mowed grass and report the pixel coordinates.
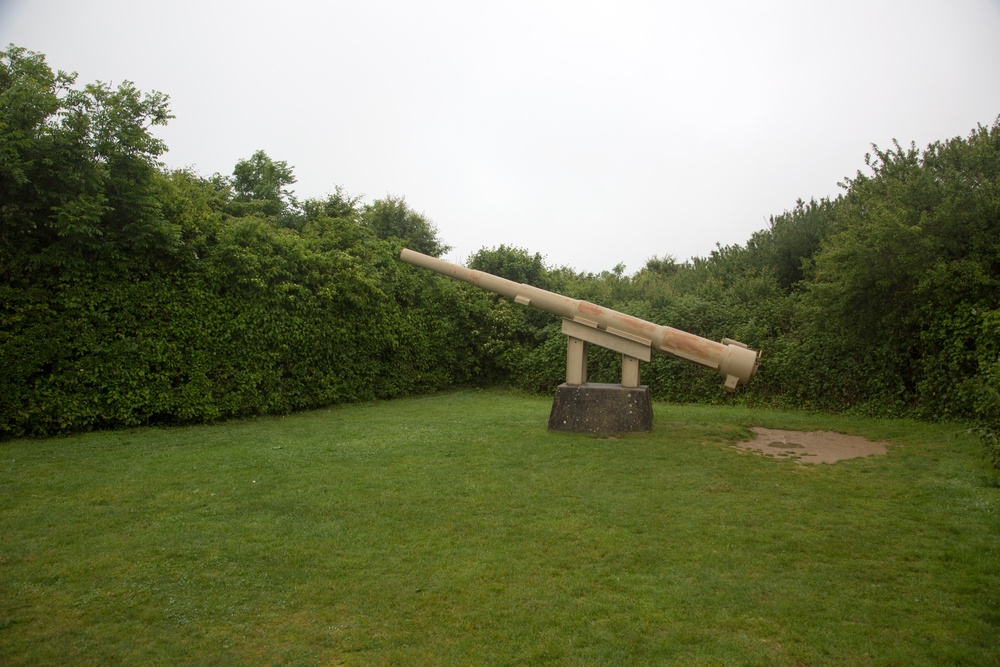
(454, 529)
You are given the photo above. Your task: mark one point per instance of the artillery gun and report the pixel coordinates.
(585, 407)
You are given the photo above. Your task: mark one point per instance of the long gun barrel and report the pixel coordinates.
(733, 360)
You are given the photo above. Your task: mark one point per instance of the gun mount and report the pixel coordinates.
(584, 322)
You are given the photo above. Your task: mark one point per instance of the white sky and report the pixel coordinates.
(591, 132)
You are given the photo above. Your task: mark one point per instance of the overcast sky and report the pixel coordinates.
(591, 132)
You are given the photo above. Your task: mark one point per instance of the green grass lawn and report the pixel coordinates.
(454, 529)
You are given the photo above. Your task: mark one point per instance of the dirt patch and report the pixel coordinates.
(811, 446)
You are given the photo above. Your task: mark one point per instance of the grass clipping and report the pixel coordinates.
(811, 446)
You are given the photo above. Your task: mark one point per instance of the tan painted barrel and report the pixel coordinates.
(731, 359)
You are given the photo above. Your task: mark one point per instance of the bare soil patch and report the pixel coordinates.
(811, 446)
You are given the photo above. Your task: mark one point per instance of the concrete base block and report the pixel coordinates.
(601, 408)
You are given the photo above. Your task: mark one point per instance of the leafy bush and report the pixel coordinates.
(133, 295)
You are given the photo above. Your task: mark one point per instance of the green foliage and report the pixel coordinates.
(526, 329)
(512, 263)
(132, 295)
(263, 320)
(391, 218)
(902, 286)
(880, 302)
(990, 438)
(79, 174)
(788, 246)
(261, 187)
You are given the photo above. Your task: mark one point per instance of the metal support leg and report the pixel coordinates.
(630, 371)
(576, 361)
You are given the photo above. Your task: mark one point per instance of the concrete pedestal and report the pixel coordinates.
(601, 408)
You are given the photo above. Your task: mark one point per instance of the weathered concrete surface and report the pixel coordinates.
(601, 408)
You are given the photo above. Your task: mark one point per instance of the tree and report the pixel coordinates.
(391, 218)
(261, 185)
(335, 222)
(527, 326)
(906, 284)
(512, 263)
(793, 238)
(665, 266)
(336, 205)
(78, 172)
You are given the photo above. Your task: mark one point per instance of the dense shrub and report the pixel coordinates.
(133, 295)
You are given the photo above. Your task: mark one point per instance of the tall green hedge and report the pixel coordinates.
(134, 295)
